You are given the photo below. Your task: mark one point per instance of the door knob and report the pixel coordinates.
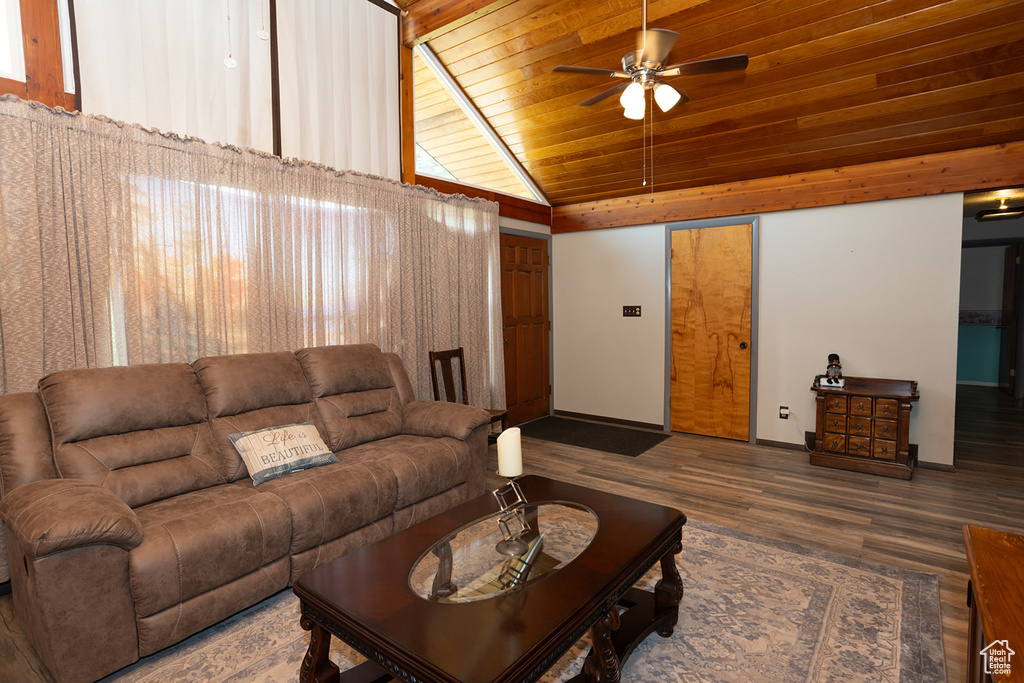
(743, 345)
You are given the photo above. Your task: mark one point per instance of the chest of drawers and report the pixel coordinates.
(865, 426)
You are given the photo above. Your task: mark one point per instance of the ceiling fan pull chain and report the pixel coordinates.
(652, 145)
(643, 147)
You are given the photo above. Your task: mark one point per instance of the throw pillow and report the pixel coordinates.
(276, 451)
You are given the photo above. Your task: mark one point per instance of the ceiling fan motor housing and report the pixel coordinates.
(646, 71)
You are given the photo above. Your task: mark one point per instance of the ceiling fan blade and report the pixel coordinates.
(590, 70)
(707, 66)
(655, 44)
(607, 93)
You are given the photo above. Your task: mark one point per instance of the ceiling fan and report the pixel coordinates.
(644, 69)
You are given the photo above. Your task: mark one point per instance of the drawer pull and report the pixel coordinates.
(885, 429)
(861, 405)
(885, 409)
(835, 404)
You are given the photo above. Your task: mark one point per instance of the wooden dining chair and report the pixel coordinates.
(445, 361)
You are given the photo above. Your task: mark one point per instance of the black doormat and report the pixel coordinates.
(599, 437)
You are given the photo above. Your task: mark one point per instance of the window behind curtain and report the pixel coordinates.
(12, 57)
(340, 85)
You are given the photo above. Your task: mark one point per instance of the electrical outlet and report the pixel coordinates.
(783, 412)
(630, 311)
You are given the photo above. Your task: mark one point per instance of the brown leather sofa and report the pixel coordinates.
(132, 522)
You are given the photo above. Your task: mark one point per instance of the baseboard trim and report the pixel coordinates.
(941, 467)
(610, 420)
(785, 445)
(972, 383)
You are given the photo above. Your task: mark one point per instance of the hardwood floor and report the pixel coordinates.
(776, 493)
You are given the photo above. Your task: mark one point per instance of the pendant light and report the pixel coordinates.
(633, 101)
(666, 96)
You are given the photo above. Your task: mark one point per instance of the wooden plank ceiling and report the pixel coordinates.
(830, 83)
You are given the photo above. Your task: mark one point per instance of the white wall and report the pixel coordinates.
(876, 283)
(605, 364)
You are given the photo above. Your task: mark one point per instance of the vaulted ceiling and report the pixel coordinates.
(830, 83)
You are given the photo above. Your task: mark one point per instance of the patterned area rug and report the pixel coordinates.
(753, 610)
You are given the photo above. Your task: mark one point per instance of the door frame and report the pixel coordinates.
(755, 241)
(516, 232)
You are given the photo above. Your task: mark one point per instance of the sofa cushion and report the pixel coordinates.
(25, 451)
(329, 502)
(276, 451)
(421, 466)
(252, 391)
(355, 393)
(140, 430)
(196, 542)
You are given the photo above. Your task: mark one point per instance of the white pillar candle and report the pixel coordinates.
(510, 453)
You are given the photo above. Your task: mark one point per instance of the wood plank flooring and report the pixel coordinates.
(776, 493)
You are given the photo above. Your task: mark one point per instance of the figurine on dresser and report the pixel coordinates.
(834, 372)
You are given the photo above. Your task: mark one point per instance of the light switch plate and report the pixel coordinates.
(630, 311)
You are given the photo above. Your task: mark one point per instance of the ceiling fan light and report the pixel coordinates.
(633, 96)
(666, 96)
(635, 112)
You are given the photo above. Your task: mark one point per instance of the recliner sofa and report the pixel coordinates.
(132, 521)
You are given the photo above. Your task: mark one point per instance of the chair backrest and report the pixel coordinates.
(444, 360)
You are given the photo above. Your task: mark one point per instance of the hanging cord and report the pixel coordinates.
(262, 34)
(229, 62)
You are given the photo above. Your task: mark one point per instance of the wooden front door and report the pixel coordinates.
(524, 308)
(711, 290)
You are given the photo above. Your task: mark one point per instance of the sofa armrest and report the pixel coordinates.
(440, 419)
(52, 515)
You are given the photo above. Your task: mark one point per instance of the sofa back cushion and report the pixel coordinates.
(250, 391)
(140, 430)
(25, 451)
(355, 393)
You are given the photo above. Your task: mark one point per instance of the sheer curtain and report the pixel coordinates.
(121, 245)
(339, 85)
(160, 63)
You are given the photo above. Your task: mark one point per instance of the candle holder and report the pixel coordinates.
(512, 521)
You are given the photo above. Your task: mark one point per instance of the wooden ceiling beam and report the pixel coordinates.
(959, 171)
(426, 20)
(509, 206)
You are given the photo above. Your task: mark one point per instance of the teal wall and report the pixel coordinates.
(977, 355)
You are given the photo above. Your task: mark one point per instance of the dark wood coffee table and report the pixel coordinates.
(365, 599)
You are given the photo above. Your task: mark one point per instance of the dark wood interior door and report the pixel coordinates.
(524, 308)
(1008, 333)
